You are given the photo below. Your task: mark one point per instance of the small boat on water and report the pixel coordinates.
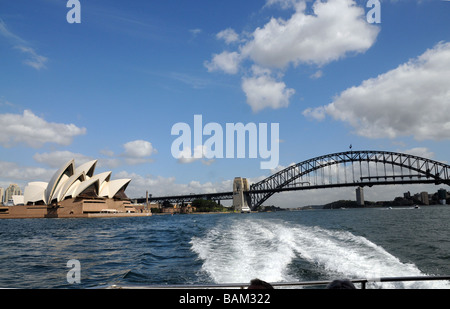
(416, 207)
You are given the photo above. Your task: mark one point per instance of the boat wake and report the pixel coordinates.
(277, 251)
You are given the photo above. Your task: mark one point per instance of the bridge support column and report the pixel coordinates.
(360, 196)
(240, 198)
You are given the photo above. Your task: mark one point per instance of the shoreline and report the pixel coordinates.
(109, 215)
(83, 216)
(149, 214)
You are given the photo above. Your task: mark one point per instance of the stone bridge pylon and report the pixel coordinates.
(241, 198)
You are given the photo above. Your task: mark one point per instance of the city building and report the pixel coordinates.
(407, 195)
(424, 198)
(12, 190)
(442, 196)
(73, 192)
(178, 209)
(2, 193)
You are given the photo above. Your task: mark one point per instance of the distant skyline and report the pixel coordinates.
(112, 86)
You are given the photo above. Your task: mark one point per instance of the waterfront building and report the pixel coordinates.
(73, 192)
(178, 209)
(442, 196)
(407, 195)
(2, 192)
(360, 196)
(12, 190)
(424, 198)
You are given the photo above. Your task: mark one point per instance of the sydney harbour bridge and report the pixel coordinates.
(344, 169)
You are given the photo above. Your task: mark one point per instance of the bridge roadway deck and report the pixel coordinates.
(229, 195)
(189, 197)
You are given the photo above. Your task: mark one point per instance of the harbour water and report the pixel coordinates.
(229, 248)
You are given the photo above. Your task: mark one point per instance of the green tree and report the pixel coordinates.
(207, 206)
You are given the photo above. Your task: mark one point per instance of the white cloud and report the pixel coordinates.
(190, 80)
(279, 168)
(263, 91)
(12, 172)
(34, 60)
(8, 34)
(228, 35)
(315, 113)
(228, 62)
(420, 152)
(411, 100)
(325, 32)
(57, 159)
(336, 28)
(195, 32)
(138, 152)
(316, 75)
(35, 131)
(186, 156)
(283, 3)
(138, 149)
(135, 152)
(107, 152)
(161, 186)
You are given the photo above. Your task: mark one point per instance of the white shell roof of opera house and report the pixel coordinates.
(71, 182)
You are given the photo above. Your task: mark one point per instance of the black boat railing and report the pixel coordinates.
(362, 283)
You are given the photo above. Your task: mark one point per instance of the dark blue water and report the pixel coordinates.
(228, 248)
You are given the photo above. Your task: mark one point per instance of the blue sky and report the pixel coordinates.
(111, 87)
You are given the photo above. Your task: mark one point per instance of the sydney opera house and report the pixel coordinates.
(74, 192)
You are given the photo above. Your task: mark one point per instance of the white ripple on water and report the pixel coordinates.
(264, 249)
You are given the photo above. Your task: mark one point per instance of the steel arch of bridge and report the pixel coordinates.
(352, 168)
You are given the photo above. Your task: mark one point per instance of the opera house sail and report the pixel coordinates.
(74, 192)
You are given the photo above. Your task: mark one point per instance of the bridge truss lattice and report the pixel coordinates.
(352, 168)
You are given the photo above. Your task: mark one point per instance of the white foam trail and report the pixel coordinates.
(264, 249)
(244, 251)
